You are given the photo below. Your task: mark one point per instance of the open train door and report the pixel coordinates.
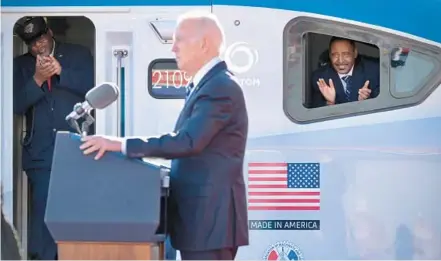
(16, 189)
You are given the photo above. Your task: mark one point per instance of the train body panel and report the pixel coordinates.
(376, 162)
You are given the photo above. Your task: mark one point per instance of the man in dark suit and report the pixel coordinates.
(48, 81)
(347, 78)
(208, 211)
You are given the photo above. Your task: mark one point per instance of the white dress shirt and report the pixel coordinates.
(202, 72)
(196, 80)
(343, 75)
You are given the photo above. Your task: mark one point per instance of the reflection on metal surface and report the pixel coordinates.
(371, 238)
(426, 240)
(399, 57)
(387, 209)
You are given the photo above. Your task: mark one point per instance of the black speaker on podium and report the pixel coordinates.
(108, 209)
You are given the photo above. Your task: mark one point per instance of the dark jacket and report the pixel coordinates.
(46, 110)
(364, 69)
(208, 208)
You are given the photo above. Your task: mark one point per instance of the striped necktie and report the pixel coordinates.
(188, 90)
(348, 81)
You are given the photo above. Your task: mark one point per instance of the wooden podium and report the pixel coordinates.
(111, 209)
(110, 251)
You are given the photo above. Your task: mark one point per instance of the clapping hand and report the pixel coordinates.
(364, 93)
(43, 68)
(46, 67)
(327, 90)
(55, 65)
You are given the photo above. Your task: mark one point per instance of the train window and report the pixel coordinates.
(409, 71)
(166, 81)
(343, 65)
(381, 65)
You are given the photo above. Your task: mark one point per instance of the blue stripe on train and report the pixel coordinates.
(415, 17)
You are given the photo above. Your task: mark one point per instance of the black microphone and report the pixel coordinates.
(99, 97)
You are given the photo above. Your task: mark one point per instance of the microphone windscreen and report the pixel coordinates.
(102, 95)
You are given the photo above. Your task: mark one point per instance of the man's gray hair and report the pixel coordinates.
(205, 17)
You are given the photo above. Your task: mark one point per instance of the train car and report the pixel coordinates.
(348, 181)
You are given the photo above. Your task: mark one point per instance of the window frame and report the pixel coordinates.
(293, 99)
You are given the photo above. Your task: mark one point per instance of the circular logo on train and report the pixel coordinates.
(243, 52)
(283, 251)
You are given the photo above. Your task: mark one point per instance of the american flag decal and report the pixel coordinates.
(283, 186)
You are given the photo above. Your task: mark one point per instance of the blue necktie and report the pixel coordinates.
(348, 81)
(188, 90)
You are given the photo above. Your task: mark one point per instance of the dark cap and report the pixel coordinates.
(30, 29)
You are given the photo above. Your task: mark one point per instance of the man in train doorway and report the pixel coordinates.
(208, 208)
(48, 81)
(347, 77)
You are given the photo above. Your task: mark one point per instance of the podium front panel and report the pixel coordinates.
(114, 199)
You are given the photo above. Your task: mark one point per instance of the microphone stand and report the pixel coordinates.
(74, 124)
(85, 125)
(88, 121)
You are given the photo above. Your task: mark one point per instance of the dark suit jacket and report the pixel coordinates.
(46, 111)
(10, 244)
(364, 70)
(208, 199)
